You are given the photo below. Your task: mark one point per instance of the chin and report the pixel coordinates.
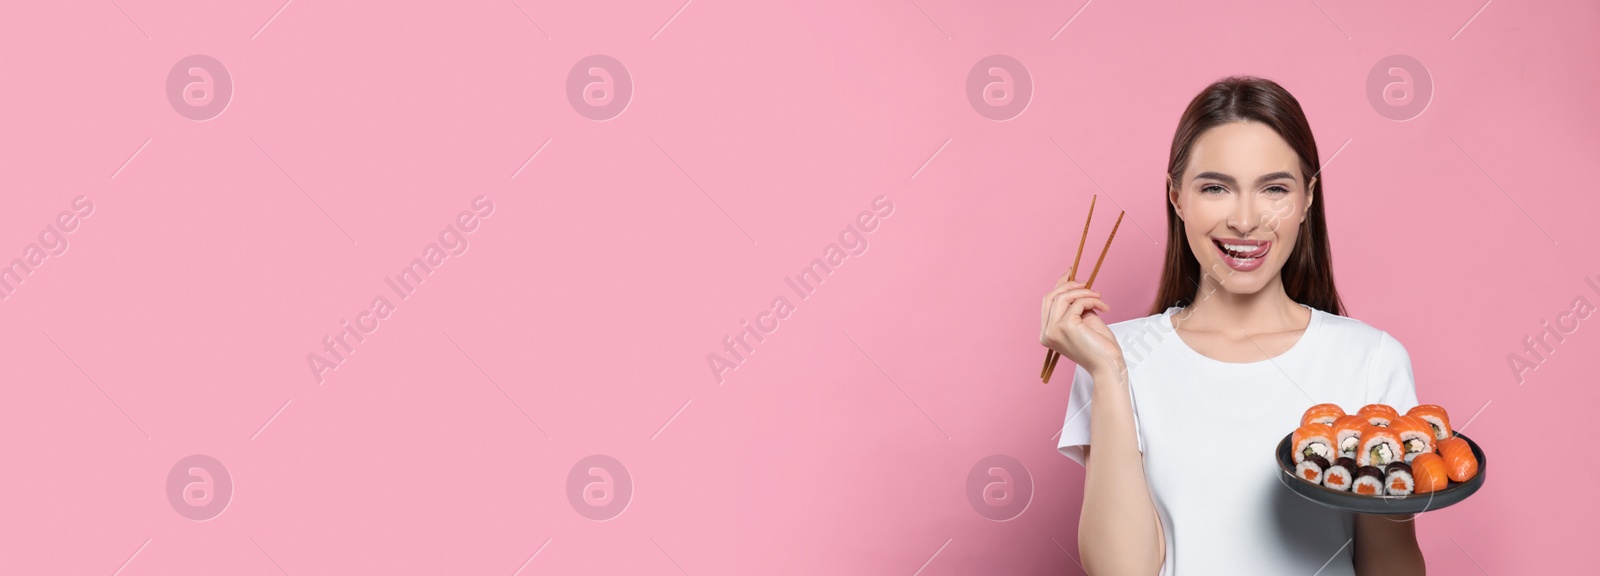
(1241, 283)
(1239, 288)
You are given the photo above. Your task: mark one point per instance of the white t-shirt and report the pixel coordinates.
(1208, 430)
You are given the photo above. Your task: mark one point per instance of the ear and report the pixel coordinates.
(1172, 196)
(1310, 196)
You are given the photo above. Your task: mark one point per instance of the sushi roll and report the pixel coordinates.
(1369, 481)
(1459, 461)
(1378, 414)
(1397, 479)
(1322, 414)
(1313, 440)
(1311, 469)
(1347, 434)
(1416, 436)
(1436, 419)
(1429, 473)
(1379, 446)
(1340, 475)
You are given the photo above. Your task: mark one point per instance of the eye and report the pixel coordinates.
(1277, 189)
(1209, 187)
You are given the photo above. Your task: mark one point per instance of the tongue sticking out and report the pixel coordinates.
(1255, 252)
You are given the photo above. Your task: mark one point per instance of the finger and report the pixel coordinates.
(1047, 308)
(1061, 311)
(1094, 305)
(1067, 298)
(1044, 318)
(1063, 295)
(1072, 314)
(1058, 298)
(1047, 311)
(1055, 295)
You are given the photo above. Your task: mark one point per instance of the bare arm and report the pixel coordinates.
(1119, 533)
(1118, 530)
(1386, 546)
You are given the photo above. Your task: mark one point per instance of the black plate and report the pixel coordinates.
(1363, 504)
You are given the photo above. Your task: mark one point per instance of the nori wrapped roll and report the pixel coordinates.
(1369, 481)
(1311, 468)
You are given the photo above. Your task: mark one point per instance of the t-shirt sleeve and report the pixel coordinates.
(1390, 381)
(1075, 431)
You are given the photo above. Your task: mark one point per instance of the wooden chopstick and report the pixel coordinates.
(1051, 357)
(1083, 239)
(1107, 248)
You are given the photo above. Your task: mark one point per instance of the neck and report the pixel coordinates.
(1215, 308)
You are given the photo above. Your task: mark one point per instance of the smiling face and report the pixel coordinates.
(1241, 200)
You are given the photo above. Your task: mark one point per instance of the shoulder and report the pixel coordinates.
(1389, 377)
(1353, 338)
(1346, 326)
(1355, 332)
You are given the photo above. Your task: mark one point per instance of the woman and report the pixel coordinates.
(1181, 409)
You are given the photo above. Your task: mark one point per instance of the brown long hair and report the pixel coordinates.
(1308, 274)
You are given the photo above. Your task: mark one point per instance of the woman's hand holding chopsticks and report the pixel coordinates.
(1070, 324)
(1065, 326)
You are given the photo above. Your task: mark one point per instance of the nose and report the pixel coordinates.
(1245, 217)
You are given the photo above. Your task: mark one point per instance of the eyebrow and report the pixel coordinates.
(1226, 179)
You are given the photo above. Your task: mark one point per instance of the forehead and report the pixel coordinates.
(1243, 150)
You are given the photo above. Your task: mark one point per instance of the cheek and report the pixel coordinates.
(1199, 242)
(1284, 219)
(1288, 233)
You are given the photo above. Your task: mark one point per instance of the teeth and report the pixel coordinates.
(1239, 250)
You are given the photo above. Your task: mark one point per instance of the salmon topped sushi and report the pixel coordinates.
(1347, 433)
(1313, 440)
(1322, 414)
(1379, 446)
(1435, 417)
(1378, 414)
(1416, 436)
(1429, 473)
(1459, 461)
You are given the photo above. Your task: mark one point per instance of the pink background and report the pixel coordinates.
(220, 253)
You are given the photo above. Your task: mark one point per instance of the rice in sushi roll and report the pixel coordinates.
(1416, 436)
(1435, 417)
(1397, 479)
(1341, 474)
(1311, 469)
(1347, 434)
(1379, 446)
(1313, 440)
(1369, 481)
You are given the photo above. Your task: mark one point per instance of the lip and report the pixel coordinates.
(1252, 260)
